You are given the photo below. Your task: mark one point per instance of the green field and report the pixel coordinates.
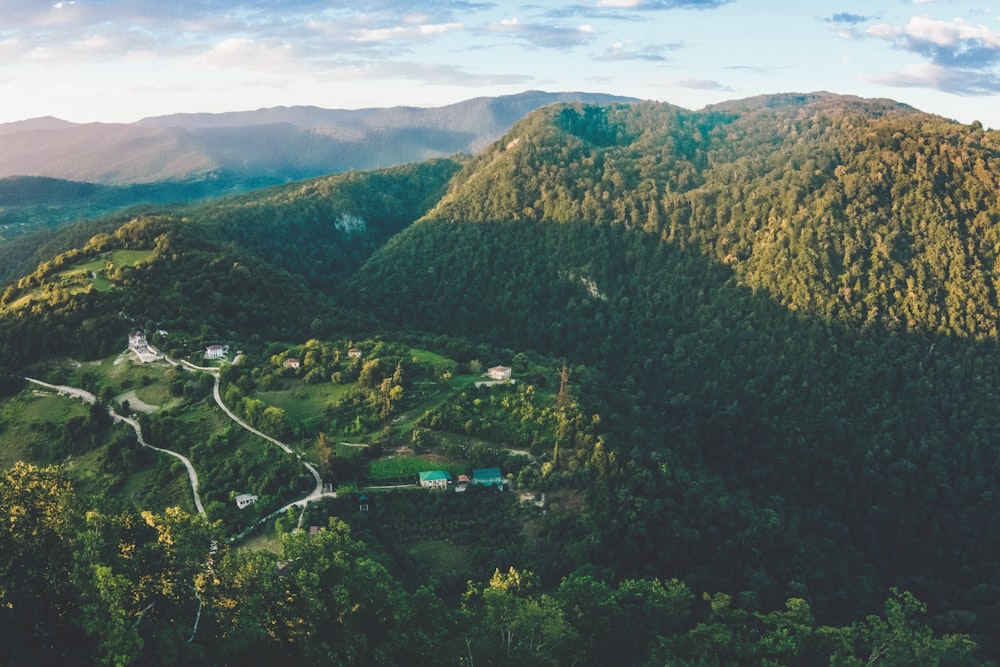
(440, 558)
(439, 363)
(124, 374)
(409, 466)
(29, 420)
(31, 430)
(304, 402)
(82, 277)
(115, 258)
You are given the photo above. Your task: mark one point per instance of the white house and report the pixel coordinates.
(499, 373)
(354, 353)
(137, 341)
(291, 362)
(216, 351)
(245, 500)
(435, 479)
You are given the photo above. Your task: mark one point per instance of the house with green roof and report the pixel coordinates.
(487, 477)
(435, 479)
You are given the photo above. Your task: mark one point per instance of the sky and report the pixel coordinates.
(122, 60)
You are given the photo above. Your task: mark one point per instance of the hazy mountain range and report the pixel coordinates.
(280, 143)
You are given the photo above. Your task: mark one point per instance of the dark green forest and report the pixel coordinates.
(777, 323)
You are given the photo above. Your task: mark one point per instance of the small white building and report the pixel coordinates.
(499, 373)
(245, 500)
(216, 352)
(354, 353)
(137, 341)
(291, 362)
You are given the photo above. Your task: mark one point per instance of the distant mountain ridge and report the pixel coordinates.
(280, 143)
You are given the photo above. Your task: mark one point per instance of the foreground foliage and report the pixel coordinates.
(164, 589)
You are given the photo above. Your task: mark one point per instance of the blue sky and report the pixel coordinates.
(121, 60)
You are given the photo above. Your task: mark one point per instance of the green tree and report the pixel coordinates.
(39, 603)
(325, 454)
(900, 638)
(511, 624)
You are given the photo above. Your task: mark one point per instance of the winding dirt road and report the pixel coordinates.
(314, 495)
(87, 397)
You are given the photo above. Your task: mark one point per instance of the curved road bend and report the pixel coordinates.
(316, 493)
(87, 397)
(286, 448)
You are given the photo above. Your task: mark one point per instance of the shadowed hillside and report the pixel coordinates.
(794, 299)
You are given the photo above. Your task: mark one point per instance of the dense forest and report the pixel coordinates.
(793, 301)
(772, 432)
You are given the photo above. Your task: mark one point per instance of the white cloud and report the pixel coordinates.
(544, 35)
(696, 84)
(959, 57)
(935, 31)
(936, 77)
(247, 54)
(629, 50)
(405, 33)
(884, 31)
(946, 34)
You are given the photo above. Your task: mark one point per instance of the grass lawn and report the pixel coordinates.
(305, 402)
(349, 451)
(123, 372)
(82, 276)
(440, 558)
(439, 363)
(427, 397)
(22, 424)
(409, 466)
(145, 489)
(115, 257)
(264, 539)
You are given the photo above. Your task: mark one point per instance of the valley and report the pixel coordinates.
(735, 369)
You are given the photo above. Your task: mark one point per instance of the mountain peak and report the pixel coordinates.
(31, 124)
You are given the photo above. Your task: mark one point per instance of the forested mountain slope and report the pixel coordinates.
(776, 418)
(858, 212)
(236, 267)
(320, 229)
(189, 157)
(794, 298)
